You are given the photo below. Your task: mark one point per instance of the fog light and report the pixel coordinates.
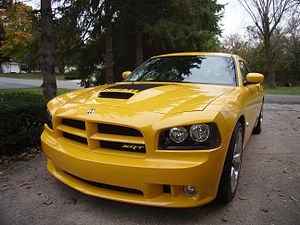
(190, 191)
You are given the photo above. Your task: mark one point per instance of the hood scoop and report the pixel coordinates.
(118, 95)
(125, 91)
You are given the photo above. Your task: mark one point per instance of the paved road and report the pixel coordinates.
(24, 83)
(268, 191)
(283, 99)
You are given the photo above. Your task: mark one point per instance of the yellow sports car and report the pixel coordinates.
(171, 134)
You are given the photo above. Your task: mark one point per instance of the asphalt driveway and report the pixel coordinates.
(268, 191)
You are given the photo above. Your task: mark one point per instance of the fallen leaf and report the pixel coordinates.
(23, 155)
(5, 185)
(24, 183)
(70, 200)
(224, 219)
(48, 201)
(293, 198)
(243, 198)
(264, 210)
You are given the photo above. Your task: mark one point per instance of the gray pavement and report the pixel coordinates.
(6, 83)
(282, 99)
(268, 191)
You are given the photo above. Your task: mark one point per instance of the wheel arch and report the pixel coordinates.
(242, 120)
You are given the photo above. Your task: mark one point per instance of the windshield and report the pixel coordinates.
(191, 69)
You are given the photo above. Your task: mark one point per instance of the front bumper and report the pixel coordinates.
(136, 178)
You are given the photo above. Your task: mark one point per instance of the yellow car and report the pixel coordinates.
(171, 134)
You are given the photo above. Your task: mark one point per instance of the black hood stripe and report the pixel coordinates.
(135, 87)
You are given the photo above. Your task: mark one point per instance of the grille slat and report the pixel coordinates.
(108, 136)
(74, 123)
(75, 138)
(128, 147)
(119, 130)
(117, 138)
(108, 186)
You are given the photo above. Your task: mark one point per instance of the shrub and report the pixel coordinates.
(22, 117)
(72, 75)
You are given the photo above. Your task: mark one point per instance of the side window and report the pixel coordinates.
(244, 69)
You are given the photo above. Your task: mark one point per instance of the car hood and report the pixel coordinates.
(148, 97)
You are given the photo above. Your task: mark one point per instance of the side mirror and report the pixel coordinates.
(126, 74)
(254, 78)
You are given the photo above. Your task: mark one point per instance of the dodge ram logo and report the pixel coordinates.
(91, 111)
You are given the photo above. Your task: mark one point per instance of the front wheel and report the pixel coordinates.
(232, 167)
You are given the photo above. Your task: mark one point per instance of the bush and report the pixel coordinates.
(72, 75)
(22, 117)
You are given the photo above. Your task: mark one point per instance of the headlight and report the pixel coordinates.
(49, 119)
(199, 132)
(193, 137)
(178, 134)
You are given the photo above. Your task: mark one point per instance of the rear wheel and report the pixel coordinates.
(232, 167)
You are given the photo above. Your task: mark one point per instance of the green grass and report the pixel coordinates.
(38, 91)
(284, 91)
(35, 76)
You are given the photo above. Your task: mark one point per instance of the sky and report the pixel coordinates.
(235, 18)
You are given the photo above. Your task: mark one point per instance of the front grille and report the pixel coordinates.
(108, 186)
(119, 130)
(123, 146)
(100, 135)
(75, 138)
(74, 123)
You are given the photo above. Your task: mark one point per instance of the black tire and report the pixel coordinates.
(257, 129)
(227, 189)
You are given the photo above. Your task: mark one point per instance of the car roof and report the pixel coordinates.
(195, 54)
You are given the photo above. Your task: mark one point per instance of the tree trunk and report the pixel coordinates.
(270, 61)
(270, 68)
(138, 44)
(47, 51)
(108, 59)
(138, 37)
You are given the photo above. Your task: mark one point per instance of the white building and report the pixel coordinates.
(10, 67)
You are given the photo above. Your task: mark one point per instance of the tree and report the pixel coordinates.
(109, 58)
(47, 51)
(18, 31)
(120, 34)
(267, 15)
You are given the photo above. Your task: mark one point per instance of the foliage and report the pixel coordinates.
(71, 75)
(287, 50)
(23, 116)
(176, 25)
(18, 31)
(267, 16)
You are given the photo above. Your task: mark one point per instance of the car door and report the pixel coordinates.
(252, 100)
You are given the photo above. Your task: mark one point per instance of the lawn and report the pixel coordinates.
(38, 91)
(284, 91)
(36, 76)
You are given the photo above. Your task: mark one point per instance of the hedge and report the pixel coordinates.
(22, 116)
